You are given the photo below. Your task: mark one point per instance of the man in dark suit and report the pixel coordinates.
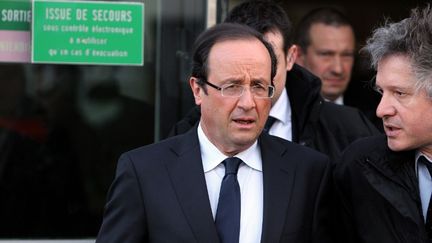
(299, 113)
(175, 190)
(326, 42)
(326, 47)
(384, 183)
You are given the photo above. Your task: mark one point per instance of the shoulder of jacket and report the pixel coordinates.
(293, 149)
(367, 149)
(368, 144)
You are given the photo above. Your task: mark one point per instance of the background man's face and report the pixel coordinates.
(330, 56)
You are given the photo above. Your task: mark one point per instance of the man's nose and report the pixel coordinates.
(385, 107)
(337, 65)
(246, 100)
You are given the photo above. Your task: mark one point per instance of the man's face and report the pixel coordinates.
(406, 114)
(285, 61)
(330, 56)
(234, 124)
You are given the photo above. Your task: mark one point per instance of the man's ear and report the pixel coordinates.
(300, 59)
(196, 90)
(291, 57)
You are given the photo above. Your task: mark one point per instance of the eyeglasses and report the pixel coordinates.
(237, 90)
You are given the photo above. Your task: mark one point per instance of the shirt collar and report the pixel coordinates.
(417, 156)
(281, 110)
(337, 101)
(212, 156)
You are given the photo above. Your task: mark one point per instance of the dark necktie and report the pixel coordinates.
(429, 211)
(228, 210)
(268, 124)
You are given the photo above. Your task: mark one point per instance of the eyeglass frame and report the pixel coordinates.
(271, 89)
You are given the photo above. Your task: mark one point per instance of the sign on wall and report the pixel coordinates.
(15, 18)
(87, 32)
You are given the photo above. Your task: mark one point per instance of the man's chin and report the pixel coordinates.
(245, 139)
(396, 145)
(330, 96)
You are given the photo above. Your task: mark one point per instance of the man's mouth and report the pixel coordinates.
(391, 130)
(244, 121)
(334, 80)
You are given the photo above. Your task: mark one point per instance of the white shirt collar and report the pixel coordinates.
(281, 110)
(417, 155)
(212, 156)
(338, 101)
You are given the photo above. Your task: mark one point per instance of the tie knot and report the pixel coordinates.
(231, 165)
(427, 163)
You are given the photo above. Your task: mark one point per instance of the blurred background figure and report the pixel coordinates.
(112, 123)
(62, 128)
(92, 117)
(39, 184)
(327, 47)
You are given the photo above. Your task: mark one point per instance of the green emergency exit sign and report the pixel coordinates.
(87, 32)
(15, 15)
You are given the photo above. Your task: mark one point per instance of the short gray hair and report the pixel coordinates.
(411, 37)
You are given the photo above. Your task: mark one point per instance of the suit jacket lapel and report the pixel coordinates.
(187, 175)
(278, 178)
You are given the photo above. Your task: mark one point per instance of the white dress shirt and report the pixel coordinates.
(425, 183)
(281, 110)
(250, 179)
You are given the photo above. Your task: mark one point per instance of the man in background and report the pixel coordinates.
(327, 47)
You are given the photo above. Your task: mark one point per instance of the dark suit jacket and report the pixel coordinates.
(160, 195)
(378, 194)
